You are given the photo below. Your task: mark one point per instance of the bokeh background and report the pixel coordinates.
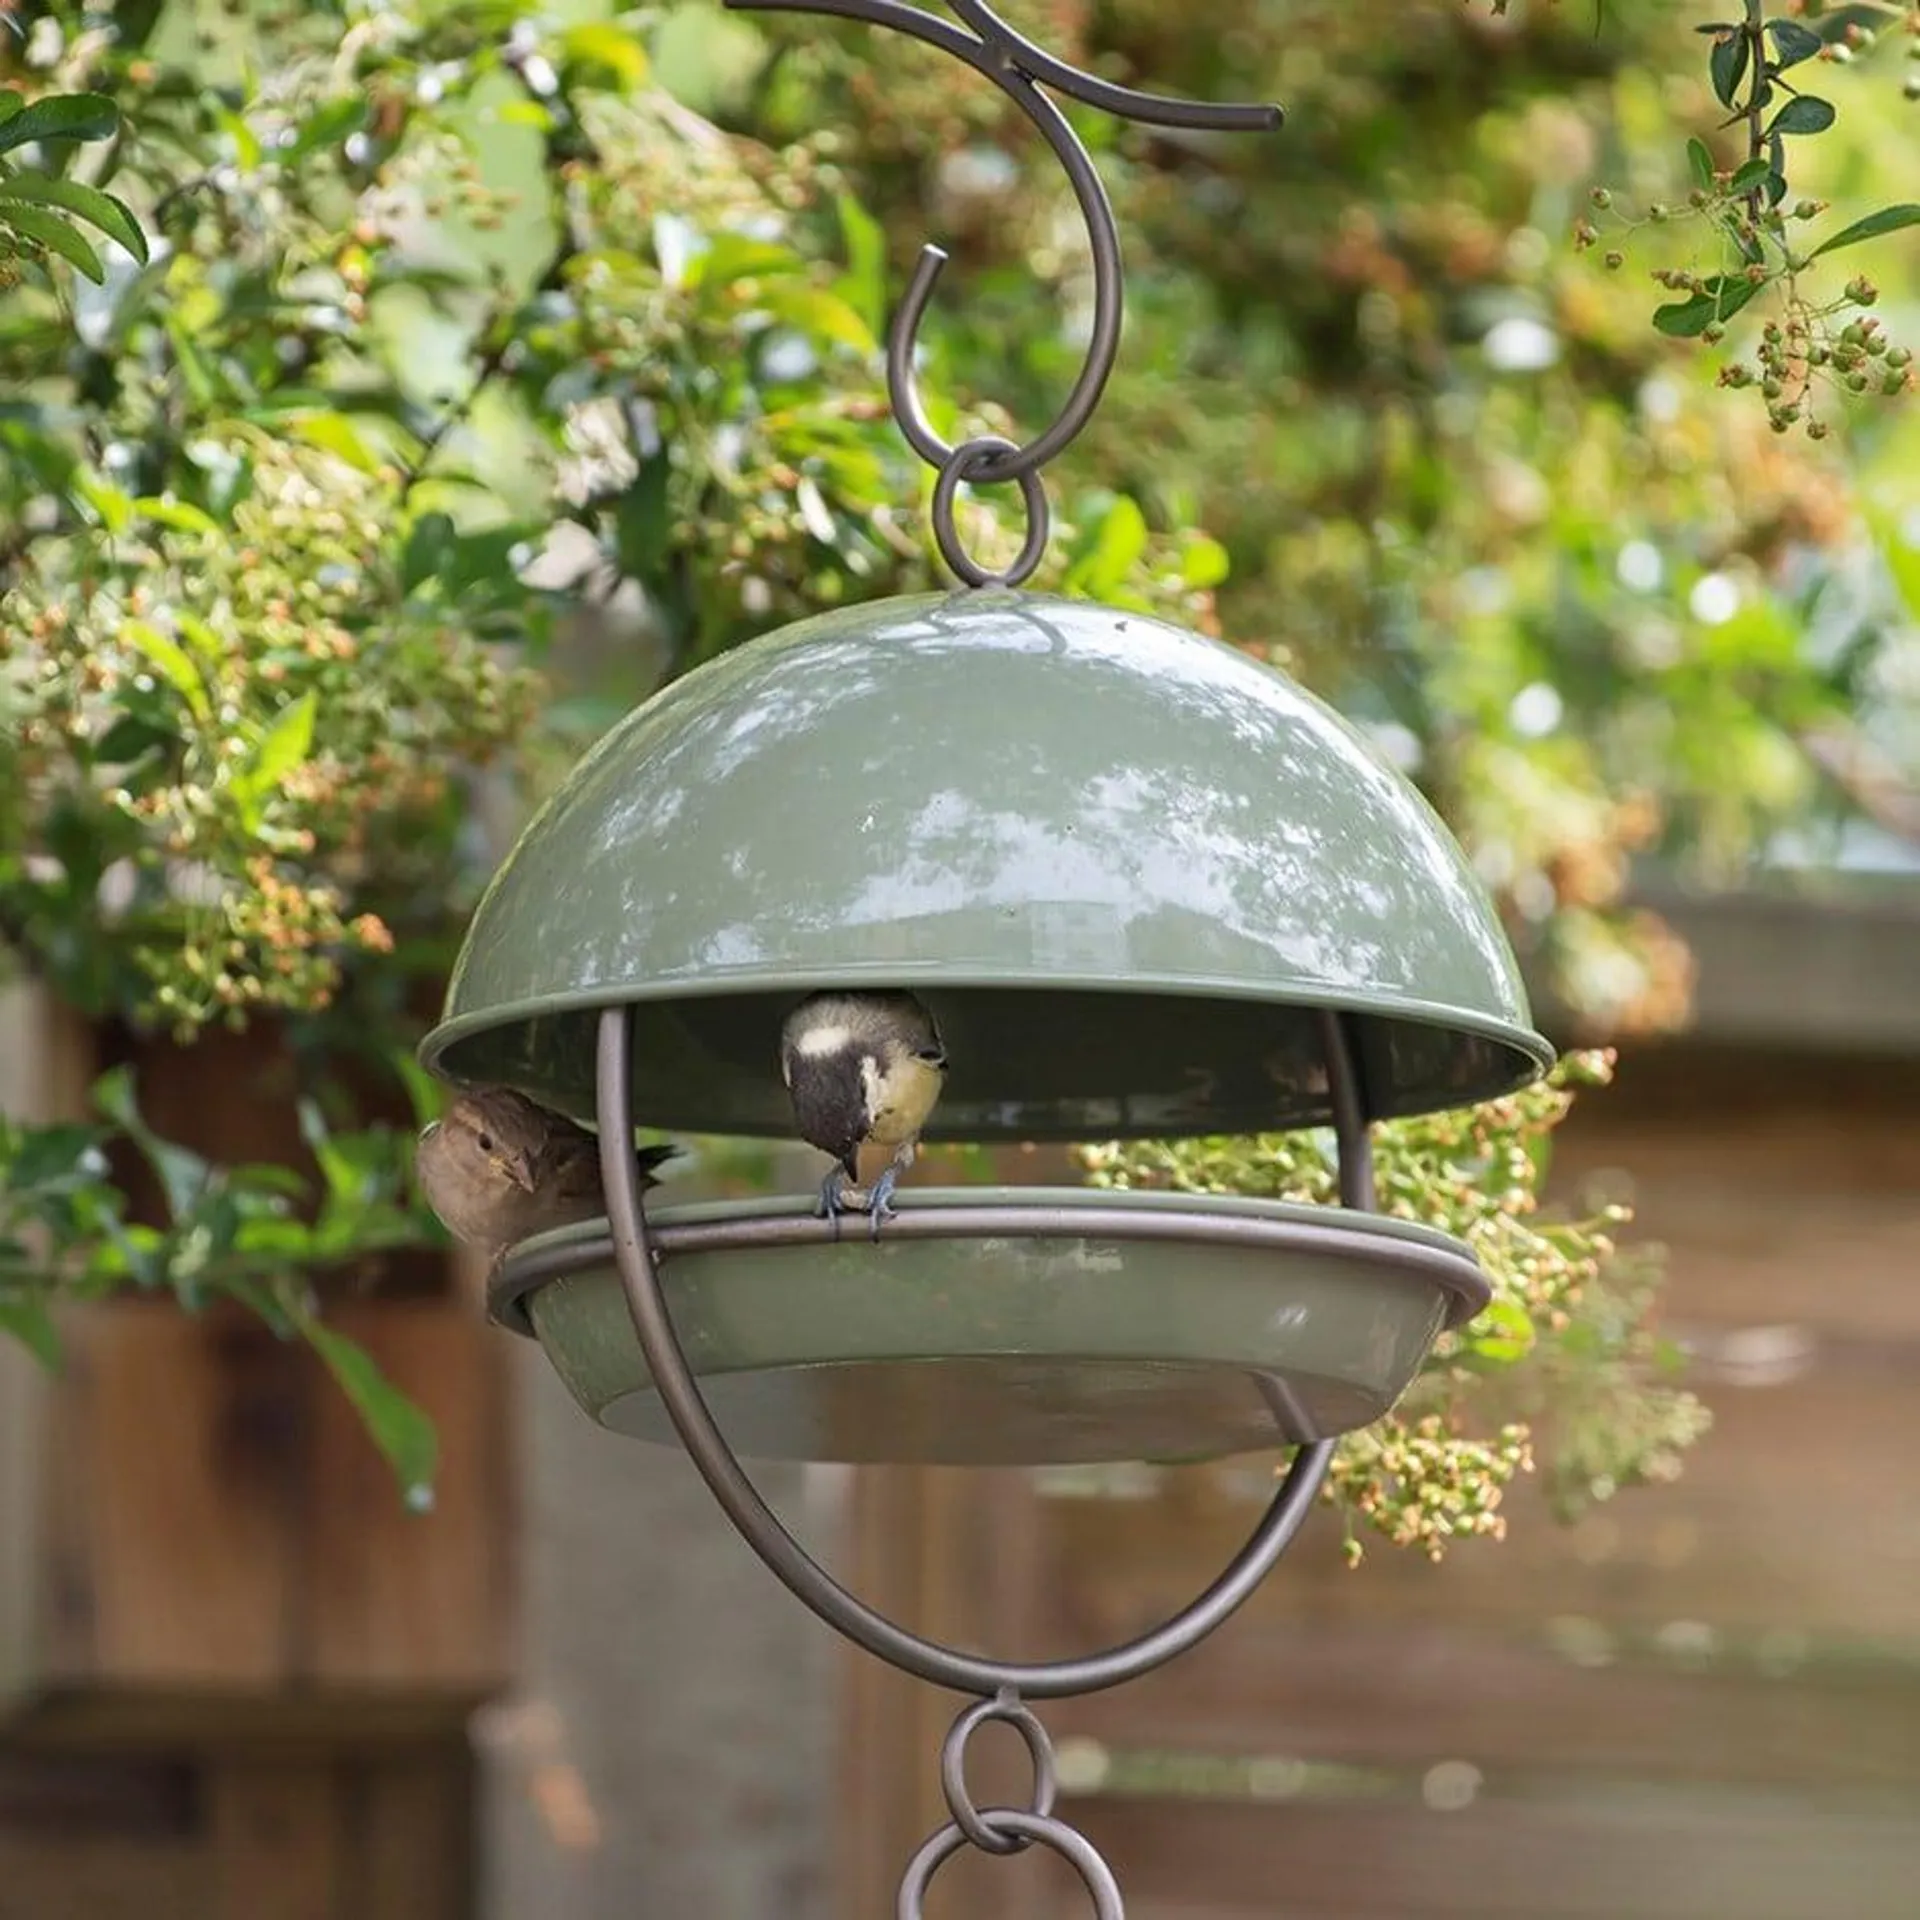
(486, 367)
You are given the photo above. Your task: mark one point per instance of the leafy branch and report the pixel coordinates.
(229, 1233)
(1567, 1301)
(40, 206)
(1832, 342)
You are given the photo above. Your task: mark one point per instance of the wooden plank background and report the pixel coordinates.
(236, 1834)
(1701, 1702)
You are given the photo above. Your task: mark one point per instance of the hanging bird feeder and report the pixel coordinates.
(1146, 887)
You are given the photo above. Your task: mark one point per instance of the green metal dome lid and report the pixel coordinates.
(1124, 865)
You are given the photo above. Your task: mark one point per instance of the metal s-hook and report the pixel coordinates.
(1016, 66)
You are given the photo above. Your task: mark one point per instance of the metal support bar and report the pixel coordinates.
(811, 1584)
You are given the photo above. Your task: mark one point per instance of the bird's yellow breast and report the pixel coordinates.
(900, 1097)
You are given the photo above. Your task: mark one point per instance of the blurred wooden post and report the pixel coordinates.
(204, 1529)
(949, 1554)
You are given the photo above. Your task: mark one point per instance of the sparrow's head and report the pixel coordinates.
(481, 1154)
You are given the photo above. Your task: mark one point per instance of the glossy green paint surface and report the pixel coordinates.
(1004, 1348)
(1118, 860)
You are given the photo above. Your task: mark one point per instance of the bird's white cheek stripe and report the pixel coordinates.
(821, 1040)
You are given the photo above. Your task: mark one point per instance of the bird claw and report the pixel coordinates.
(838, 1195)
(880, 1201)
(830, 1205)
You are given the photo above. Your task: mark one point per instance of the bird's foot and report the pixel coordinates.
(880, 1201)
(838, 1195)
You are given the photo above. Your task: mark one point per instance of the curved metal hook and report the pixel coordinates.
(1014, 65)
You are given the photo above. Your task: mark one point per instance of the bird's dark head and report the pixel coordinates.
(861, 1066)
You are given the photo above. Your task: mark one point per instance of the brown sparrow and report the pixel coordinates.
(499, 1168)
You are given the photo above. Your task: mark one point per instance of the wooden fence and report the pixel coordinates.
(1701, 1702)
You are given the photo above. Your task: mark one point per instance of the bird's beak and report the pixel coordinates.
(517, 1169)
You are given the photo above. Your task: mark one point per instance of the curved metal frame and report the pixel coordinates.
(810, 1583)
(637, 1262)
(1017, 67)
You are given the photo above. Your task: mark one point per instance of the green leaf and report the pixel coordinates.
(169, 659)
(642, 522)
(818, 314)
(333, 433)
(864, 284)
(51, 1158)
(60, 116)
(56, 236)
(1752, 175)
(1204, 562)
(284, 745)
(736, 256)
(1109, 549)
(404, 1435)
(114, 507)
(1727, 65)
(600, 44)
(246, 143)
(1808, 114)
(183, 1175)
(426, 1095)
(524, 113)
(344, 1175)
(428, 548)
(327, 127)
(27, 1318)
(180, 515)
(1887, 220)
(130, 737)
(1684, 319)
(112, 216)
(1503, 1333)
(1701, 162)
(1792, 43)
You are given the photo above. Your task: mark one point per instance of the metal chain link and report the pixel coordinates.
(1004, 1830)
(972, 460)
(1008, 1708)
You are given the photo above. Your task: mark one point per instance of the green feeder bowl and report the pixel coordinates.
(1124, 865)
(1147, 887)
(994, 1326)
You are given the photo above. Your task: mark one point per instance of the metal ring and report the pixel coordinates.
(789, 1561)
(970, 461)
(1073, 1847)
(953, 1770)
(1452, 1270)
